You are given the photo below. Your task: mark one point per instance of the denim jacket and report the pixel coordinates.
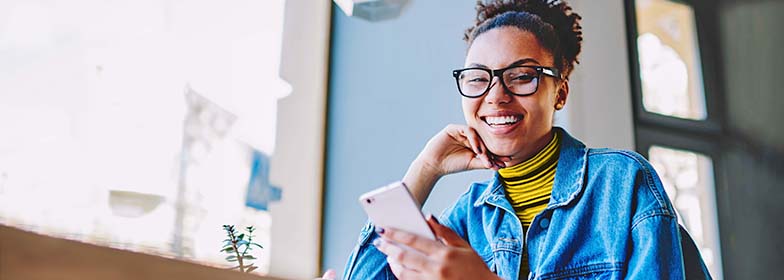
(608, 217)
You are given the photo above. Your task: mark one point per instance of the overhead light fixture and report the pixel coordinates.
(372, 10)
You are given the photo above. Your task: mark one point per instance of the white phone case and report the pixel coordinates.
(393, 206)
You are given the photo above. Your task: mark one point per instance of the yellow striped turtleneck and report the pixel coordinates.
(528, 185)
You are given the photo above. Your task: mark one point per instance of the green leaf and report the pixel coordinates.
(231, 258)
(228, 250)
(248, 257)
(242, 242)
(252, 268)
(257, 244)
(241, 236)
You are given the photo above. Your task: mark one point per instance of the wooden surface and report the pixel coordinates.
(30, 256)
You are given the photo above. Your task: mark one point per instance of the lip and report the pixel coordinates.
(502, 130)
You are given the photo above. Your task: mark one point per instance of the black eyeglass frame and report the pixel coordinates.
(549, 71)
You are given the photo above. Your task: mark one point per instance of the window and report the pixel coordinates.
(688, 180)
(670, 67)
(143, 125)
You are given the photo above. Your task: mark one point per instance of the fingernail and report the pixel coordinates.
(376, 242)
(379, 230)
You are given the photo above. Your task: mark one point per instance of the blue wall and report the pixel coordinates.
(390, 90)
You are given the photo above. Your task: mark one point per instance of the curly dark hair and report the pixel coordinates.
(553, 23)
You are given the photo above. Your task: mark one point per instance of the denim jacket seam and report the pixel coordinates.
(511, 249)
(448, 224)
(649, 183)
(580, 182)
(585, 269)
(650, 214)
(492, 187)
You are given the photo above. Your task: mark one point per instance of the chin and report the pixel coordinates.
(501, 149)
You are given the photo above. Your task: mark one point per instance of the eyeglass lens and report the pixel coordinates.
(519, 80)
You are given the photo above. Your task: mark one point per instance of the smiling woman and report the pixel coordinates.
(554, 208)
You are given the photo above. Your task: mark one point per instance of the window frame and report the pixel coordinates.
(713, 123)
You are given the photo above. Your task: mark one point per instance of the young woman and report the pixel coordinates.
(554, 209)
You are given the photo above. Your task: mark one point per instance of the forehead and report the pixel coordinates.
(500, 47)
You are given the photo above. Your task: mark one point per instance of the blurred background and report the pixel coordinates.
(146, 125)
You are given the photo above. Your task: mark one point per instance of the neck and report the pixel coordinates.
(536, 146)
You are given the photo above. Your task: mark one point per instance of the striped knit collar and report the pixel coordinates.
(537, 164)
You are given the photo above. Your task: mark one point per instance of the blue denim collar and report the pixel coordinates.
(569, 176)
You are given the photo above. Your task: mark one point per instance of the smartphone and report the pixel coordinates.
(393, 206)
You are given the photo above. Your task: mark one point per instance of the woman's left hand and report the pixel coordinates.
(451, 258)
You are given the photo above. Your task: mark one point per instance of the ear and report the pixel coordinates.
(561, 95)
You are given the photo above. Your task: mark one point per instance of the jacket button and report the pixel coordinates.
(544, 223)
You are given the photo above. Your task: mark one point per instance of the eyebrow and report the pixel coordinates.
(516, 63)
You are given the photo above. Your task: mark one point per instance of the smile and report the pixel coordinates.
(501, 121)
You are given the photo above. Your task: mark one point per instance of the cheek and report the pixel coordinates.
(544, 114)
(538, 109)
(470, 109)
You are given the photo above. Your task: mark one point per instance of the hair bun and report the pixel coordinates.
(558, 14)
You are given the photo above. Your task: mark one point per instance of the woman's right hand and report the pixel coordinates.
(458, 148)
(454, 149)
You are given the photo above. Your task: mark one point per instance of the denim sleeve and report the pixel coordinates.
(656, 249)
(367, 262)
(454, 219)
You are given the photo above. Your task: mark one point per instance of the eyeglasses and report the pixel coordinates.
(474, 82)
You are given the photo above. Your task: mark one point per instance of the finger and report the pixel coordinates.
(446, 234)
(497, 162)
(329, 274)
(401, 272)
(416, 242)
(405, 257)
(480, 161)
(457, 135)
(473, 139)
(488, 157)
(487, 161)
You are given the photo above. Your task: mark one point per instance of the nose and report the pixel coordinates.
(497, 93)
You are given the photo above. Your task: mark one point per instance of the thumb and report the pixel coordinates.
(447, 235)
(329, 274)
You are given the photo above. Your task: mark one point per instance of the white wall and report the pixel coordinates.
(599, 108)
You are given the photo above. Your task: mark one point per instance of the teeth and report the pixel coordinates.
(501, 120)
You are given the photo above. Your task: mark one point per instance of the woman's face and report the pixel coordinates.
(532, 115)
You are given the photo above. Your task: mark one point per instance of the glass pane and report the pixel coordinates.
(670, 68)
(688, 180)
(142, 125)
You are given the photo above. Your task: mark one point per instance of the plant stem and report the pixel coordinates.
(236, 250)
(250, 239)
